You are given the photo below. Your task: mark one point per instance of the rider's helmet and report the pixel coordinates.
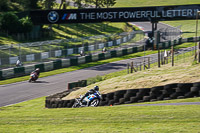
(96, 88)
(37, 69)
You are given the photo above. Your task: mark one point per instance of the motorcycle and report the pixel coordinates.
(92, 100)
(33, 77)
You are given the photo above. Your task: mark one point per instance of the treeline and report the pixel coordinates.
(96, 3)
(11, 23)
(24, 5)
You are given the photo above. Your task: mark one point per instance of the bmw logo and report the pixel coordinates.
(53, 16)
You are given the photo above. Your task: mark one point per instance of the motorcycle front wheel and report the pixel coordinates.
(94, 103)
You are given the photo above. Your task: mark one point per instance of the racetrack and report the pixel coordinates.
(22, 91)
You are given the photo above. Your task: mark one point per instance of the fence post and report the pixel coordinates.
(144, 63)
(137, 66)
(132, 67)
(149, 63)
(172, 49)
(128, 68)
(198, 56)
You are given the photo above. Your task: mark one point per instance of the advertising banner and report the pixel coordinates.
(131, 14)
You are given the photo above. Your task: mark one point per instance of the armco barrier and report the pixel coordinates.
(101, 56)
(124, 51)
(1, 77)
(88, 58)
(73, 61)
(113, 53)
(166, 92)
(65, 62)
(12, 72)
(41, 66)
(48, 66)
(8, 73)
(81, 60)
(19, 71)
(57, 64)
(29, 69)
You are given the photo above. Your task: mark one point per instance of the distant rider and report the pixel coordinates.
(18, 63)
(92, 91)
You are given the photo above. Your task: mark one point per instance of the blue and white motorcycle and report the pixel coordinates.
(92, 100)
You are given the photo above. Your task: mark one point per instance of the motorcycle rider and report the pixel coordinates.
(92, 91)
(37, 71)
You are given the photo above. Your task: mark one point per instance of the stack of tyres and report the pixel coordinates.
(181, 90)
(103, 102)
(70, 103)
(127, 96)
(139, 95)
(143, 95)
(194, 90)
(155, 93)
(167, 91)
(107, 99)
(118, 95)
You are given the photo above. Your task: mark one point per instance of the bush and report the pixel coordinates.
(10, 22)
(26, 25)
(94, 80)
(4, 5)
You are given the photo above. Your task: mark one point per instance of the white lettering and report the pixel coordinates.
(132, 15)
(143, 14)
(120, 14)
(126, 14)
(184, 12)
(189, 12)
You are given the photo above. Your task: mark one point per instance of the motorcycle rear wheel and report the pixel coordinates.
(76, 104)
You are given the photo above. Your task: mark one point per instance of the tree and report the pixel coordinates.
(4, 5)
(10, 23)
(26, 25)
(49, 4)
(109, 2)
(104, 3)
(78, 3)
(33, 4)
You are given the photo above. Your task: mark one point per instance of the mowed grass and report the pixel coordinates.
(31, 116)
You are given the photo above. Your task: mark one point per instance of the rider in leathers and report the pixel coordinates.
(37, 71)
(92, 91)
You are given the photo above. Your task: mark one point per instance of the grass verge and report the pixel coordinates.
(31, 116)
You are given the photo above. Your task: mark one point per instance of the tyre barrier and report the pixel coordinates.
(166, 92)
